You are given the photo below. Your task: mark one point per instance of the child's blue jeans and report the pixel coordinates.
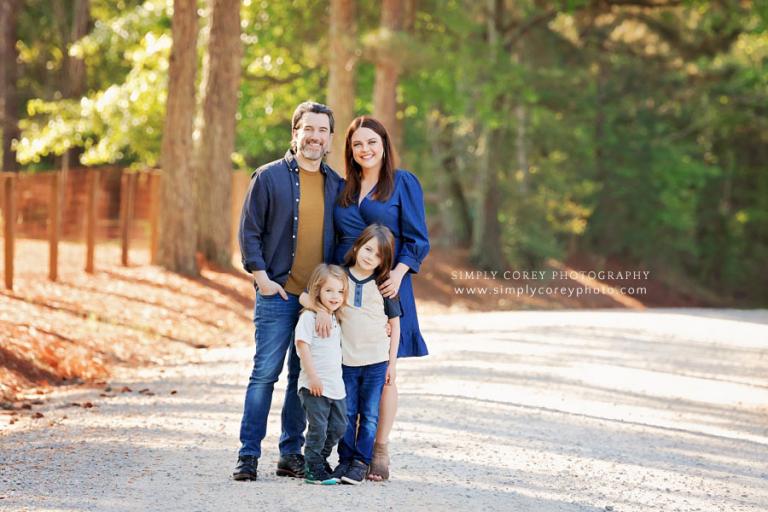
(364, 385)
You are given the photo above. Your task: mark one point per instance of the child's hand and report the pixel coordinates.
(391, 375)
(315, 386)
(388, 329)
(323, 323)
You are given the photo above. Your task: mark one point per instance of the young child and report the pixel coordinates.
(321, 387)
(368, 355)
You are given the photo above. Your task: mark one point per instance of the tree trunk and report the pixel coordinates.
(8, 92)
(462, 225)
(76, 80)
(521, 146)
(608, 217)
(217, 142)
(388, 70)
(75, 67)
(486, 249)
(176, 249)
(455, 218)
(341, 75)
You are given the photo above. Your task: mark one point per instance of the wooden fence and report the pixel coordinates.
(87, 201)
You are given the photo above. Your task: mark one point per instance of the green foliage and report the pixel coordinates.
(285, 54)
(646, 130)
(123, 121)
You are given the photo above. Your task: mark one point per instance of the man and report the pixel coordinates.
(286, 230)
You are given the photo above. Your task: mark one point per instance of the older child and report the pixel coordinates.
(321, 387)
(368, 354)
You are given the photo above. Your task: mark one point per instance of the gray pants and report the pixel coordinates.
(327, 422)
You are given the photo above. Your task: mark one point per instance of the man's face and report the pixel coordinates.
(313, 135)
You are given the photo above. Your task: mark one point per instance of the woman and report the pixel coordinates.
(376, 192)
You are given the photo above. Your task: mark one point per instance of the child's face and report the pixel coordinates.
(368, 257)
(332, 294)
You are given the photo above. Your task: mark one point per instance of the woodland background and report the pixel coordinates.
(622, 133)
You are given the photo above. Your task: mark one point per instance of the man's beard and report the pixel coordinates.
(312, 154)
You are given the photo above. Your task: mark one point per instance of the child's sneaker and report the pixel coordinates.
(356, 473)
(317, 474)
(341, 470)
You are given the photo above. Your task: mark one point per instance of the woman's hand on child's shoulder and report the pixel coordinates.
(323, 323)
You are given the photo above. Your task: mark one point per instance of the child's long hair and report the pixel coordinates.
(318, 278)
(386, 246)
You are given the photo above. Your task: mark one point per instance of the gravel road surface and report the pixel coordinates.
(522, 411)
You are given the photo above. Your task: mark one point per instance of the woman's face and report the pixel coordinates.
(367, 148)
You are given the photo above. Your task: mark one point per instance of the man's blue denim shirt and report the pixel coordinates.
(269, 222)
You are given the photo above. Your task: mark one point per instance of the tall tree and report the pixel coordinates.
(8, 91)
(341, 74)
(176, 249)
(486, 251)
(213, 178)
(76, 77)
(388, 68)
(446, 151)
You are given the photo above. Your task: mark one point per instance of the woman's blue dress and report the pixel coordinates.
(404, 215)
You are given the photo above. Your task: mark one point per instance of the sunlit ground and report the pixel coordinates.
(545, 411)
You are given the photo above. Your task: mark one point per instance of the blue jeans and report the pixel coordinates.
(364, 385)
(275, 320)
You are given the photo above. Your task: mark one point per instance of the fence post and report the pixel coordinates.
(54, 226)
(9, 218)
(127, 192)
(154, 213)
(90, 224)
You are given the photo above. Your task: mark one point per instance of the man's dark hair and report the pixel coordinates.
(310, 106)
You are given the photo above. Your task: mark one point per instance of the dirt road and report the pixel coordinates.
(541, 411)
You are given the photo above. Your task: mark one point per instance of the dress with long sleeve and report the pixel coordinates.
(404, 215)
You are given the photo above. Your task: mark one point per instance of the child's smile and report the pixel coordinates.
(332, 293)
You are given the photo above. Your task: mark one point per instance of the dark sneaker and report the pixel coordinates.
(341, 470)
(356, 473)
(246, 468)
(291, 465)
(318, 475)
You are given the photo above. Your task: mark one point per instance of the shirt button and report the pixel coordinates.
(297, 183)
(294, 236)
(295, 218)
(297, 199)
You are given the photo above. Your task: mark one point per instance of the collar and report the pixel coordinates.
(359, 281)
(293, 164)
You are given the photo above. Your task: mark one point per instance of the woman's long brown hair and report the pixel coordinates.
(386, 183)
